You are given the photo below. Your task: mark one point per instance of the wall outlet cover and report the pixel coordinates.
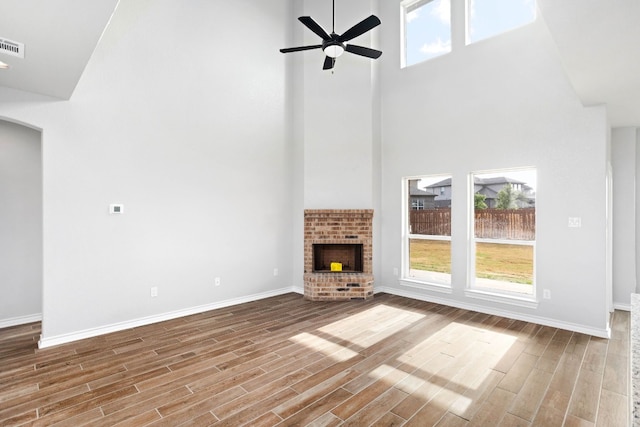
(116, 208)
(575, 222)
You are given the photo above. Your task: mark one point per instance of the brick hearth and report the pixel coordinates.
(338, 226)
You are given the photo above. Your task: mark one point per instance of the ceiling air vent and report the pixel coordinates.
(11, 48)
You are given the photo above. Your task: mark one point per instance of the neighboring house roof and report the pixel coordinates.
(488, 187)
(421, 193)
(497, 180)
(443, 183)
(480, 181)
(415, 191)
(490, 193)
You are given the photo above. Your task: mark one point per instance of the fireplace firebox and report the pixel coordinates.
(338, 254)
(348, 256)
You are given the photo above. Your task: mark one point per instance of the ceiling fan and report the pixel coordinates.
(333, 45)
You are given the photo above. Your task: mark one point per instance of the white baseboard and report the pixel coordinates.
(88, 333)
(621, 306)
(602, 333)
(20, 320)
(107, 329)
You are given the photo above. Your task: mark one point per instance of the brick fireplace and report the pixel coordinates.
(338, 240)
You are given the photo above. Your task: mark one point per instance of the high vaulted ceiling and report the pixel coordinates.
(598, 42)
(599, 45)
(59, 37)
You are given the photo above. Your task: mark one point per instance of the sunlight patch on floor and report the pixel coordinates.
(444, 366)
(371, 326)
(336, 351)
(360, 330)
(440, 367)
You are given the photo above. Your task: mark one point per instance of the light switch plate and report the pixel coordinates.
(116, 208)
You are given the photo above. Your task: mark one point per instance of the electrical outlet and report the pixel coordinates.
(116, 208)
(575, 222)
(395, 271)
(275, 271)
(154, 291)
(217, 281)
(546, 294)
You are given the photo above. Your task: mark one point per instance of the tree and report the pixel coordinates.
(506, 198)
(479, 201)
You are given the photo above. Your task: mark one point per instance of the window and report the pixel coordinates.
(417, 203)
(487, 18)
(427, 238)
(504, 231)
(427, 29)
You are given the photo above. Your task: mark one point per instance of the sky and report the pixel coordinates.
(428, 28)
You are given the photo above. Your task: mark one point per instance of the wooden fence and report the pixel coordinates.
(507, 224)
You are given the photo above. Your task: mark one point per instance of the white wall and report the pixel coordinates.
(624, 215)
(212, 144)
(181, 115)
(504, 102)
(337, 122)
(338, 116)
(637, 209)
(20, 224)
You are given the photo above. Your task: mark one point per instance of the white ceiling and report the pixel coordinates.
(599, 45)
(59, 38)
(598, 42)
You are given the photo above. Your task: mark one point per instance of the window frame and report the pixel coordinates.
(405, 278)
(406, 7)
(489, 293)
(417, 205)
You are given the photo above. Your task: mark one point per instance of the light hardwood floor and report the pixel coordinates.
(390, 361)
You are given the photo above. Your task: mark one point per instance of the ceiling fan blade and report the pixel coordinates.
(363, 51)
(329, 62)
(314, 26)
(360, 28)
(301, 48)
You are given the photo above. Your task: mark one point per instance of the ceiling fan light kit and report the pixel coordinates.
(334, 51)
(333, 45)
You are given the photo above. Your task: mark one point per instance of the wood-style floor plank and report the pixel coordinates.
(285, 361)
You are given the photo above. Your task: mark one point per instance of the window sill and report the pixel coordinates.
(525, 301)
(436, 287)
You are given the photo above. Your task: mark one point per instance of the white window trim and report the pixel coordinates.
(405, 279)
(504, 297)
(484, 293)
(429, 286)
(411, 5)
(507, 242)
(427, 237)
(407, 6)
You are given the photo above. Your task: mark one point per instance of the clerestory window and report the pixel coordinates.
(488, 18)
(427, 29)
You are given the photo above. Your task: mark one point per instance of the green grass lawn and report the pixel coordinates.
(509, 263)
(430, 255)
